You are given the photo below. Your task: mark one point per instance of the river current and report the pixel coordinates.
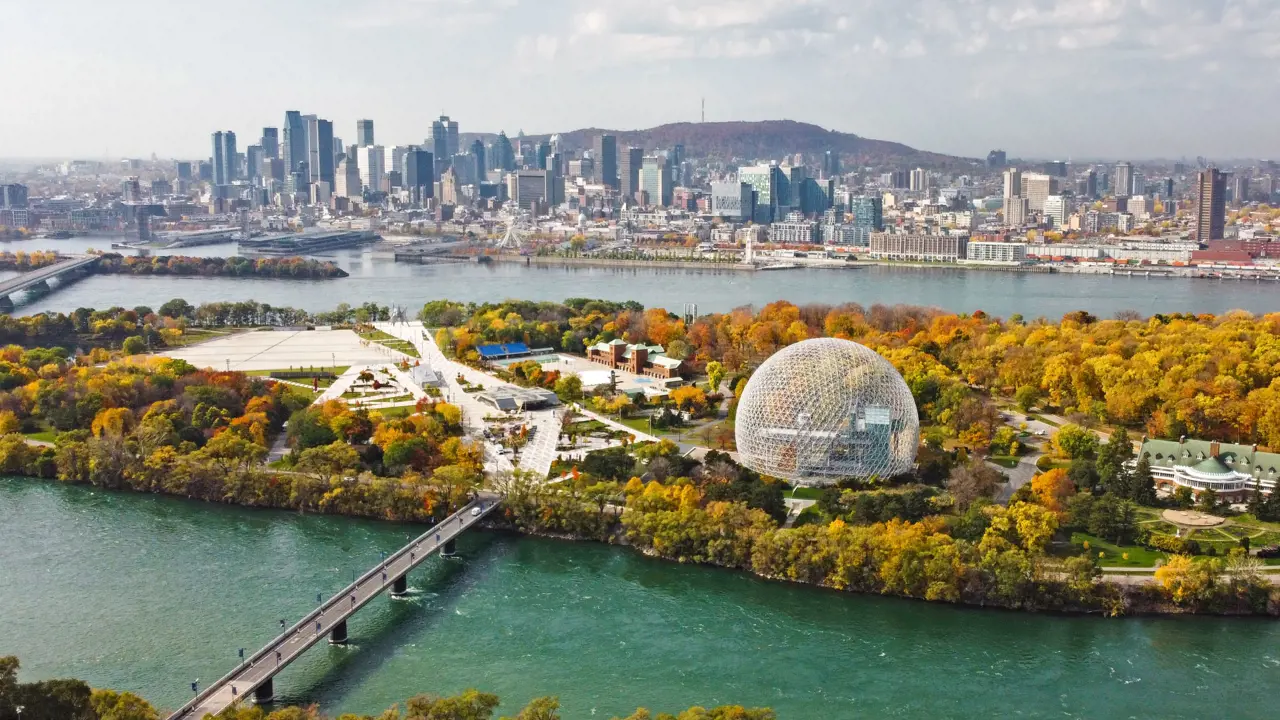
(148, 594)
(376, 277)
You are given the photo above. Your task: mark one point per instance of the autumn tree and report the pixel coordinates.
(967, 483)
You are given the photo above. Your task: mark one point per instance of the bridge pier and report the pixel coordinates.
(400, 587)
(6, 305)
(338, 636)
(264, 693)
(450, 549)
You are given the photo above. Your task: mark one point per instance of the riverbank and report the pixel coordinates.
(557, 261)
(177, 587)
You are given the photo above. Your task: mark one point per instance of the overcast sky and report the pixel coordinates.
(1044, 78)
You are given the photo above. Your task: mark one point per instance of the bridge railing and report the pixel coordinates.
(265, 651)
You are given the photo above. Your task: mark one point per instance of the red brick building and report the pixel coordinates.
(638, 359)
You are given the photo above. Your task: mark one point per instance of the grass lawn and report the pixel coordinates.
(43, 435)
(1007, 461)
(584, 427)
(396, 412)
(1112, 554)
(803, 493)
(191, 336)
(391, 341)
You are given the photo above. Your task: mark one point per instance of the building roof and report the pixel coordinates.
(1198, 455)
(499, 351)
(511, 397)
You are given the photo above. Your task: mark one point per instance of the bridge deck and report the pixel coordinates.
(27, 279)
(289, 645)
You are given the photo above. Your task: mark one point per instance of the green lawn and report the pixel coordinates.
(1112, 554)
(396, 412)
(391, 341)
(43, 435)
(804, 493)
(1007, 461)
(584, 427)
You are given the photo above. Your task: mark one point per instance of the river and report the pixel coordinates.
(147, 594)
(375, 276)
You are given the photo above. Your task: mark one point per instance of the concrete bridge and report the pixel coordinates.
(253, 677)
(72, 268)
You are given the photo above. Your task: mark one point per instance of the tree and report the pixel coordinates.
(1053, 489)
(1026, 396)
(1207, 501)
(1143, 483)
(1186, 581)
(8, 422)
(111, 705)
(1005, 441)
(1073, 441)
(470, 705)
(1183, 496)
(543, 708)
(134, 345)
(715, 375)
(968, 483)
(569, 388)
(1113, 471)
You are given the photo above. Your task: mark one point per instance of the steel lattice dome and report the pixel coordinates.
(824, 410)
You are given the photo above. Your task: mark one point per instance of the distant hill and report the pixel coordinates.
(747, 141)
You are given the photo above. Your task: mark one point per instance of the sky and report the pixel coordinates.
(1039, 78)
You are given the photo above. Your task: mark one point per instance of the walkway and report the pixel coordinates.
(255, 673)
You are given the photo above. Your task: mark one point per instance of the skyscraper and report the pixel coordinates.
(606, 160)
(320, 155)
(830, 164)
(655, 180)
(1012, 183)
(1036, 188)
(253, 162)
(348, 179)
(364, 133)
(1124, 180)
(504, 156)
(224, 157)
(544, 152)
(370, 158)
(868, 212)
(443, 142)
(478, 165)
(766, 181)
(919, 180)
(270, 142)
(1091, 185)
(629, 173)
(996, 159)
(295, 143)
(419, 175)
(1211, 205)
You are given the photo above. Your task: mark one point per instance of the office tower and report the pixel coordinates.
(1167, 189)
(14, 196)
(629, 173)
(1091, 185)
(270, 142)
(443, 142)
(364, 133)
(478, 166)
(393, 158)
(253, 162)
(224, 157)
(830, 164)
(370, 159)
(273, 168)
(867, 211)
(347, 179)
(554, 194)
(183, 170)
(1240, 189)
(544, 152)
(320, 155)
(1036, 188)
(732, 200)
(528, 189)
(204, 171)
(295, 143)
(1211, 205)
(765, 180)
(1012, 183)
(1055, 168)
(503, 155)
(996, 159)
(1016, 211)
(1056, 209)
(605, 154)
(1123, 186)
(919, 180)
(419, 175)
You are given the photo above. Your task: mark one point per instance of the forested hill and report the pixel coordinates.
(763, 140)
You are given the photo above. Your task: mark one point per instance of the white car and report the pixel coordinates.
(475, 512)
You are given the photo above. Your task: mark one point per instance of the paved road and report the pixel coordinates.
(27, 279)
(316, 626)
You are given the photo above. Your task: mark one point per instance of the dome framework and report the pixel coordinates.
(825, 410)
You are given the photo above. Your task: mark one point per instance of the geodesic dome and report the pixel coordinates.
(824, 410)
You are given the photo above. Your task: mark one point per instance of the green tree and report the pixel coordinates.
(1075, 442)
(1113, 471)
(1183, 496)
(470, 705)
(1143, 483)
(1026, 396)
(543, 708)
(1207, 501)
(111, 705)
(134, 345)
(715, 375)
(569, 388)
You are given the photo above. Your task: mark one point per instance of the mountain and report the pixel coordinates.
(748, 141)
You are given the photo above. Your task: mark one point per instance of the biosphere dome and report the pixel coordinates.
(824, 410)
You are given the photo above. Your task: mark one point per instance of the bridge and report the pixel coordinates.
(253, 676)
(38, 279)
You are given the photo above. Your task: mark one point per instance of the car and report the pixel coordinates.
(475, 512)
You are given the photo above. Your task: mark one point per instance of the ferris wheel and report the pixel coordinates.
(517, 233)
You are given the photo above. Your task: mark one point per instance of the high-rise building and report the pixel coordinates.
(655, 180)
(295, 144)
(224, 157)
(605, 154)
(270, 142)
(768, 182)
(419, 175)
(867, 211)
(443, 142)
(504, 156)
(1036, 188)
(544, 152)
(183, 170)
(1012, 183)
(996, 159)
(370, 158)
(1123, 186)
(1239, 189)
(320, 154)
(364, 133)
(1091, 185)
(253, 162)
(349, 184)
(1056, 209)
(478, 166)
(1016, 211)
(830, 164)
(528, 189)
(554, 193)
(919, 180)
(14, 196)
(1055, 168)
(732, 200)
(1211, 205)
(629, 173)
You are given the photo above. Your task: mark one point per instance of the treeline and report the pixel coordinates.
(23, 261)
(183, 265)
(1208, 376)
(69, 699)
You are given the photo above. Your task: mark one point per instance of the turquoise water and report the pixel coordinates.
(147, 594)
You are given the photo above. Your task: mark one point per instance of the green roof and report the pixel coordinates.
(1211, 466)
(1199, 454)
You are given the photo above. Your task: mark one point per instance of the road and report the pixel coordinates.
(263, 665)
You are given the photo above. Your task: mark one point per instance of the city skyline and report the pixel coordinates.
(1007, 65)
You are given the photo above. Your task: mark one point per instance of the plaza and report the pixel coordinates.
(284, 349)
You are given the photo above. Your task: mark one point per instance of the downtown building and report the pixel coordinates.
(921, 248)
